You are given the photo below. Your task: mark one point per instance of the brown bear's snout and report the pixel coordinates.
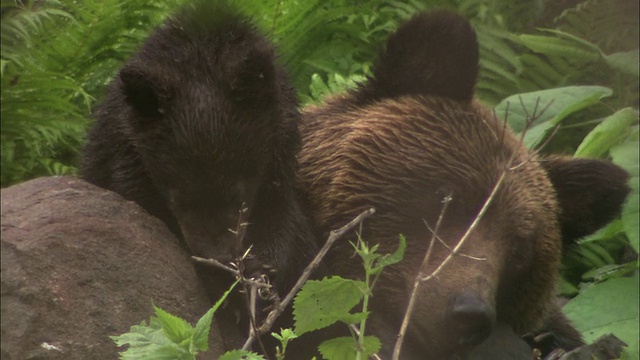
(472, 319)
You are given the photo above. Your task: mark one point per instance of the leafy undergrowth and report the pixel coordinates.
(319, 304)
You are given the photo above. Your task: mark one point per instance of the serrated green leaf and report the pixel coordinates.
(241, 355)
(557, 103)
(201, 332)
(344, 348)
(611, 131)
(626, 156)
(321, 303)
(149, 342)
(608, 307)
(176, 328)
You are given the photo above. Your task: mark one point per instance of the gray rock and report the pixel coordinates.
(79, 264)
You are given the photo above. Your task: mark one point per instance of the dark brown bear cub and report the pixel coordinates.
(200, 120)
(413, 136)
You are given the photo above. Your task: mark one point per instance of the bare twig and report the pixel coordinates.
(356, 331)
(217, 264)
(420, 278)
(280, 307)
(412, 299)
(250, 290)
(259, 284)
(449, 247)
(471, 227)
(484, 208)
(241, 230)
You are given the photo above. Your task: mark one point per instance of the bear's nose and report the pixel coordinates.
(472, 319)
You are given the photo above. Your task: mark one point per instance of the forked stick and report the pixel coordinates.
(279, 308)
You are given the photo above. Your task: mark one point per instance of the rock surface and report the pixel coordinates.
(79, 264)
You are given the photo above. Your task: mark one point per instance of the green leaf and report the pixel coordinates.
(240, 355)
(611, 131)
(608, 307)
(201, 333)
(610, 271)
(557, 105)
(570, 47)
(626, 62)
(321, 303)
(610, 231)
(149, 342)
(626, 155)
(285, 335)
(393, 258)
(344, 348)
(176, 328)
(354, 318)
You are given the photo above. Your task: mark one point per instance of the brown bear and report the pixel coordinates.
(200, 120)
(413, 135)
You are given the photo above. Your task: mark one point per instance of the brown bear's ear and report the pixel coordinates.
(590, 193)
(434, 53)
(147, 92)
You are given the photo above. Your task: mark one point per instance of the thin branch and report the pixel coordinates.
(241, 229)
(530, 119)
(416, 283)
(260, 284)
(280, 307)
(449, 247)
(356, 331)
(217, 264)
(471, 227)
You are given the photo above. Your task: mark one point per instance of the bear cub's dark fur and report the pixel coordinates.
(200, 120)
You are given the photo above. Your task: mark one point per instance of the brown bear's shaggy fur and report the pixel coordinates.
(408, 138)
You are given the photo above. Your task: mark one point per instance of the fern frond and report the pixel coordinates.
(610, 24)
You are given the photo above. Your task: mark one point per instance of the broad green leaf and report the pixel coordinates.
(588, 46)
(568, 48)
(176, 328)
(321, 303)
(608, 307)
(240, 355)
(611, 131)
(610, 271)
(201, 333)
(149, 342)
(344, 348)
(548, 108)
(626, 155)
(627, 62)
(608, 232)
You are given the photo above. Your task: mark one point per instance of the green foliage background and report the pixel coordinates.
(57, 56)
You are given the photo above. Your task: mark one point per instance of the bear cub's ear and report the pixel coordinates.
(254, 77)
(590, 193)
(146, 91)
